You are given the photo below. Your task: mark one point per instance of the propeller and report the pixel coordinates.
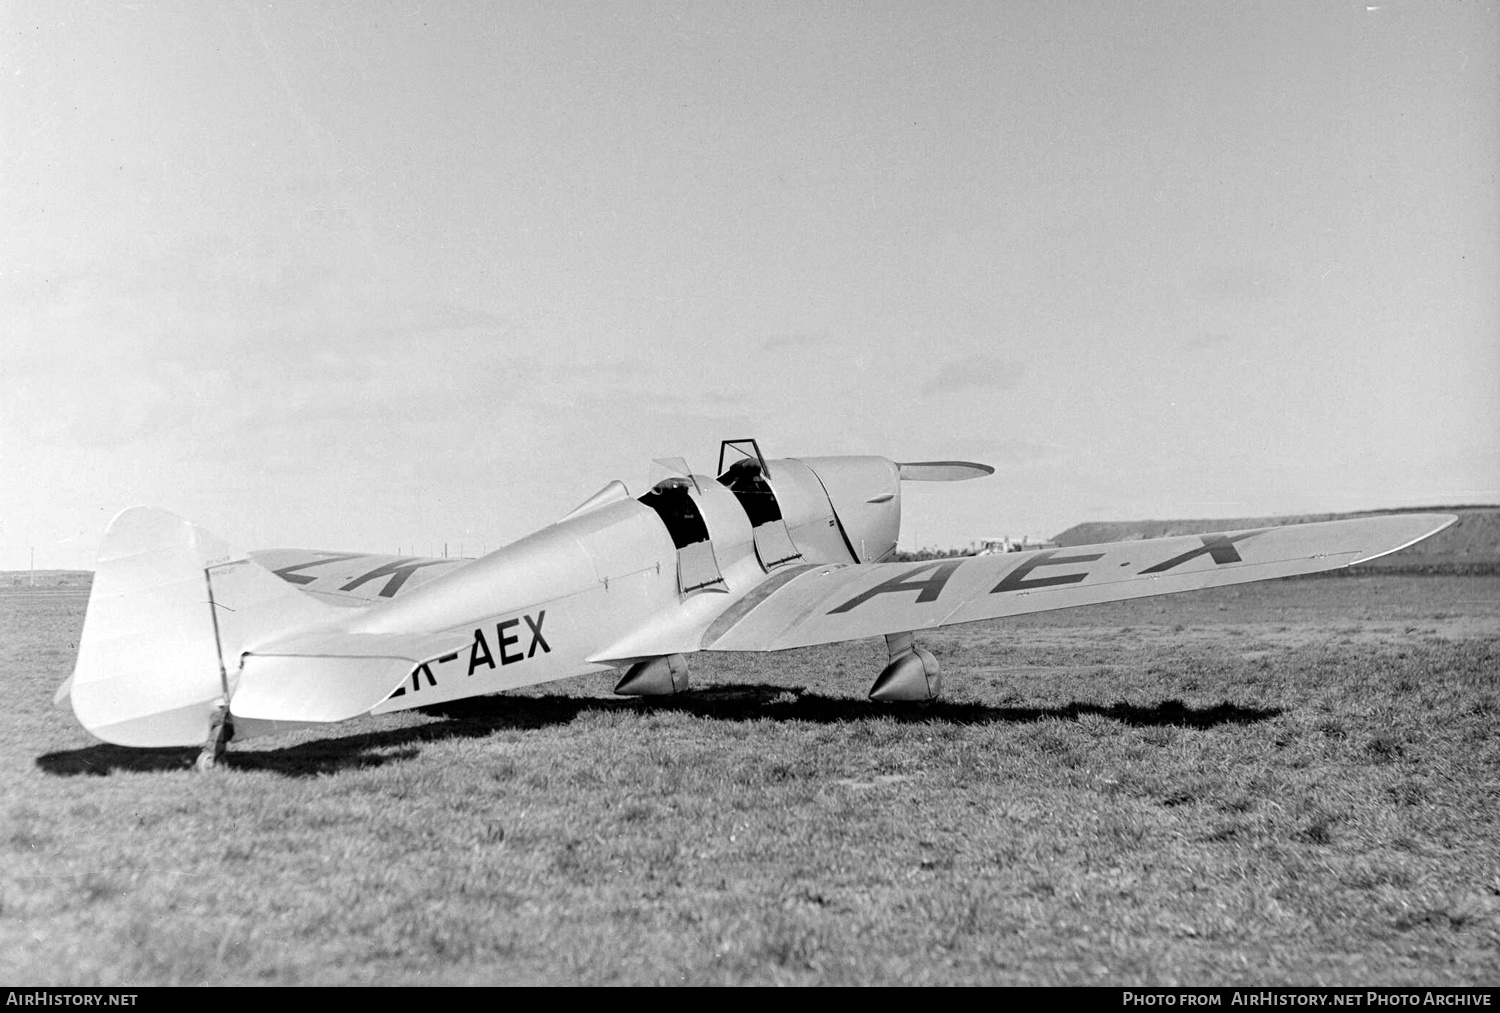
(942, 471)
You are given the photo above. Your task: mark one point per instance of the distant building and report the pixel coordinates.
(1006, 543)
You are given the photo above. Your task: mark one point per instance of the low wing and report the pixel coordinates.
(825, 604)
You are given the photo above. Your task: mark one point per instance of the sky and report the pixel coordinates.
(389, 276)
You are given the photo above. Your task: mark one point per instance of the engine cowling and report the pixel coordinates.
(833, 509)
(839, 509)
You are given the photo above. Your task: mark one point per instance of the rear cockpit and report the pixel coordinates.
(675, 497)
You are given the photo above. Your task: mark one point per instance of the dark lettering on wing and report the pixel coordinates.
(291, 574)
(927, 588)
(398, 570)
(1218, 547)
(1017, 580)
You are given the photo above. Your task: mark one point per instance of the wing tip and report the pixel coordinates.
(1435, 523)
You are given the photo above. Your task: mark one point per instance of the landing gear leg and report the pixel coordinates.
(912, 675)
(220, 731)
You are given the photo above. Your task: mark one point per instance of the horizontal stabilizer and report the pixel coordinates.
(328, 675)
(943, 471)
(315, 689)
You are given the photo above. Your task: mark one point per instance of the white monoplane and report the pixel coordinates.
(190, 641)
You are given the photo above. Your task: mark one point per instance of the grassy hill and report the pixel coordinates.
(1470, 546)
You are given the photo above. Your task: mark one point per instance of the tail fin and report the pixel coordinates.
(171, 610)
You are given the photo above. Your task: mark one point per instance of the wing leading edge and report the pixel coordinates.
(826, 604)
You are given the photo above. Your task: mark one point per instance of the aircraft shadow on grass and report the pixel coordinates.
(483, 716)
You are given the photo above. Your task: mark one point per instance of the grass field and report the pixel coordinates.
(1295, 782)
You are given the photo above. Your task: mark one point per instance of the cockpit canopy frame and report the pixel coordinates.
(740, 452)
